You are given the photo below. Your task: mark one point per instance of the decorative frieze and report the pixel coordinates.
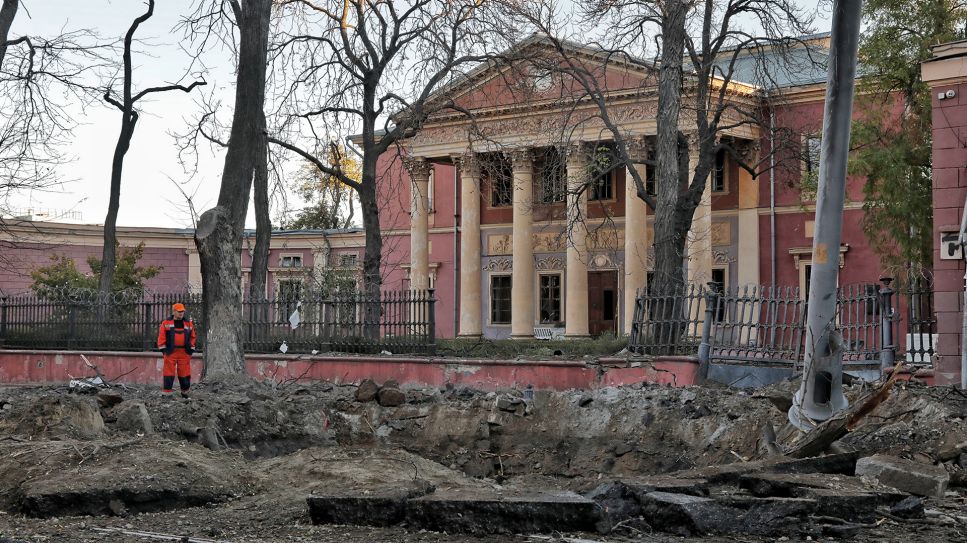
(499, 264)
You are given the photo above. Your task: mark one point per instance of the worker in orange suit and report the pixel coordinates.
(176, 339)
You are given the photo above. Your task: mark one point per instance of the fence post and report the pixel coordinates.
(887, 348)
(705, 347)
(431, 317)
(3, 320)
(146, 329)
(71, 324)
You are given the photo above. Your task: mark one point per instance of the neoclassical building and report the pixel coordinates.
(520, 217)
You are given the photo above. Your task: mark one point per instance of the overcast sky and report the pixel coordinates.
(149, 195)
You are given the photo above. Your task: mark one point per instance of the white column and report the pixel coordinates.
(522, 293)
(470, 316)
(419, 170)
(576, 290)
(636, 234)
(699, 239)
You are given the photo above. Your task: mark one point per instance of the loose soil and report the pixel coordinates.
(236, 462)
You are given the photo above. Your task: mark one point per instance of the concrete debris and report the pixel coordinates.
(488, 512)
(905, 475)
(909, 507)
(132, 417)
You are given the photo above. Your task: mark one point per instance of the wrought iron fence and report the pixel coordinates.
(768, 324)
(397, 321)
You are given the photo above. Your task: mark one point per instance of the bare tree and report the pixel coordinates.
(44, 82)
(373, 69)
(126, 103)
(220, 229)
(699, 49)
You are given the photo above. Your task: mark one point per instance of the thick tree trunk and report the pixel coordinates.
(263, 223)
(109, 250)
(219, 233)
(7, 14)
(669, 237)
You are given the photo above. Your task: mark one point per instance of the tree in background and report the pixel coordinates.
(331, 200)
(127, 103)
(892, 142)
(56, 280)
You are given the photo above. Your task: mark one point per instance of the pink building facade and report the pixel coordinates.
(946, 73)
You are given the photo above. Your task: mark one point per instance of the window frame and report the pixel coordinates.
(720, 173)
(291, 257)
(560, 298)
(493, 299)
(547, 174)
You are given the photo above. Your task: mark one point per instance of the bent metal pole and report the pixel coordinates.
(821, 392)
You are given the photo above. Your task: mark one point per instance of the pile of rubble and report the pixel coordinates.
(265, 460)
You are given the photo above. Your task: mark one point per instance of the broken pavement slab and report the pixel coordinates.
(364, 508)
(490, 511)
(906, 475)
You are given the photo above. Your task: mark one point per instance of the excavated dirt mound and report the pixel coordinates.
(237, 461)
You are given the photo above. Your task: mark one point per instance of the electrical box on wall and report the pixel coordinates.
(950, 248)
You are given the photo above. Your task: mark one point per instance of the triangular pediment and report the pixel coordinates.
(538, 71)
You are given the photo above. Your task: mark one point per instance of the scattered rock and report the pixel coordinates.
(390, 397)
(132, 416)
(909, 507)
(117, 508)
(912, 477)
(366, 391)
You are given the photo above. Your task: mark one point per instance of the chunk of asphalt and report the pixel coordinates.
(844, 463)
(913, 477)
(491, 512)
(382, 508)
(909, 507)
(766, 516)
(617, 505)
(687, 515)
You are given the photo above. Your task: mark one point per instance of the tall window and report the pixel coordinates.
(290, 291)
(651, 183)
(718, 283)
(718, 174)
(812, 145)
(602, 187)
(553, 181)
(550, 287)
(500, 286)
(501, 176)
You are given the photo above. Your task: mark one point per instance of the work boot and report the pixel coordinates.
(166, 396)
(184, 394)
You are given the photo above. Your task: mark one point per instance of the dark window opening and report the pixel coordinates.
(500, 174)
(718, 174)
(602, 187)
(609, 305)
(553, 180)
(718, 284)
(550, 299)
(651, 183)
(813, 146)
(500, 287)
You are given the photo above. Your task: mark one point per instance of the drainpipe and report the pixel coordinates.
(772, 189)
(456, 251)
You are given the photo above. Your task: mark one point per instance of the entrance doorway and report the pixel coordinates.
(602, 302)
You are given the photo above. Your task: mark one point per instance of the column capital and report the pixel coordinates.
(418, 167)
(521, 157)
(467, 163)
(639, 147)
